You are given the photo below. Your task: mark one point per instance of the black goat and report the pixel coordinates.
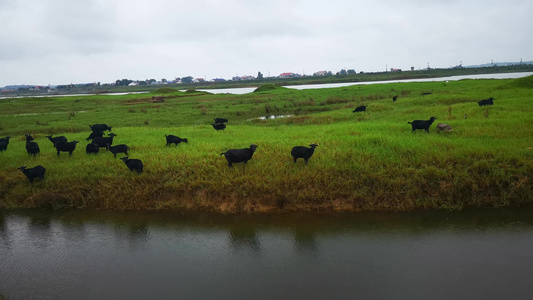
(4, 142)
(422, 124)
(360, 108)
(66, 147)
(486, 102)
(219, 126)
(92, 148)
(394, 98)
(32, 173)
(56, 139)
(95, 134)
(122, 148)
(103, 141)
(32, 147)
(239, 155)
(100, 127)
(133, 164)
(220, 120)
(303, 152)
(172, 139)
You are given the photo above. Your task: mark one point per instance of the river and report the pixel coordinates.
(240, 91)
(472, 254)
(246, 90)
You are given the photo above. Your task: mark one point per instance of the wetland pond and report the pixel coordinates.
(471, 254)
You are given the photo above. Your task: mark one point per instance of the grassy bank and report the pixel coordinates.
(365, 161)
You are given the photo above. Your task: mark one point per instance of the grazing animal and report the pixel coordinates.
(394, 98)
(65, 147)
(100, 127)
(92, 148)
(443, 127)
(360, 108)
(303, 152)
(466, 116)
(122, 148)
(95, 134)
(32, 147)
(133, 164)
(486, 102)
(56, 139)
(239, 155)
(422, 124)
(426, 93)
(219, 126)
(220, 120)
(32, 173)
(172, 139)
(4, 142)
(104, 140)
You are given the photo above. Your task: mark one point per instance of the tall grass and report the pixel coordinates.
(364, 161)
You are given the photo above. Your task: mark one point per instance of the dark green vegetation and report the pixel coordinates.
(273, 81)
(365, 161)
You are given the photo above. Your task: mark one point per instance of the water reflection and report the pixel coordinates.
(4, 231)
(306, 242)
(103, 255)
(134, 234)
(244, 238)
(40, 230)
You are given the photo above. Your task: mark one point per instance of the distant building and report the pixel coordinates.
(247, 77)
(288, 75)
(395, 70)
(320, 73)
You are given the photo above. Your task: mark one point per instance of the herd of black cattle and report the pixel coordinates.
(98, 140)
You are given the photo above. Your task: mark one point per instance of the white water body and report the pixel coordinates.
(241, 91)
(247, 90)
(68, 95)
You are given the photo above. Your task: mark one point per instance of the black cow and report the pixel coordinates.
(220, 120)
(32, 173)
(4, 142)
(360, 108)
(422, 124)
(66, 147)
(239, 155)
(104, 141)
(219, 126)
(100, 127)
(172, 139)
(133, 164)
(303, 152)
(485, 102)
(32, 147)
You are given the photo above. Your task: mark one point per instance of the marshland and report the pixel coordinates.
(364, 161)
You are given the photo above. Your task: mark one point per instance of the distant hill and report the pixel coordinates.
(16, 87)
(500, 64)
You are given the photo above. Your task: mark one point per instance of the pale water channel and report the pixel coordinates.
(246, 90)
(473, 254)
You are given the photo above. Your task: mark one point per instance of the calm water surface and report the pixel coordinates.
(481, 254)
(240, 91)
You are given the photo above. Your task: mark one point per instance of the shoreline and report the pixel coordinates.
(365, 161)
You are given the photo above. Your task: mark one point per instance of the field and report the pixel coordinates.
(365, 161)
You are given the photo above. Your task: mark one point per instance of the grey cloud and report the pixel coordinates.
(214, 38)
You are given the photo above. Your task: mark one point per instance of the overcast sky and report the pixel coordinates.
(65, 41)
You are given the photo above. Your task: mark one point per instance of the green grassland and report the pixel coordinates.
(365, 161)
